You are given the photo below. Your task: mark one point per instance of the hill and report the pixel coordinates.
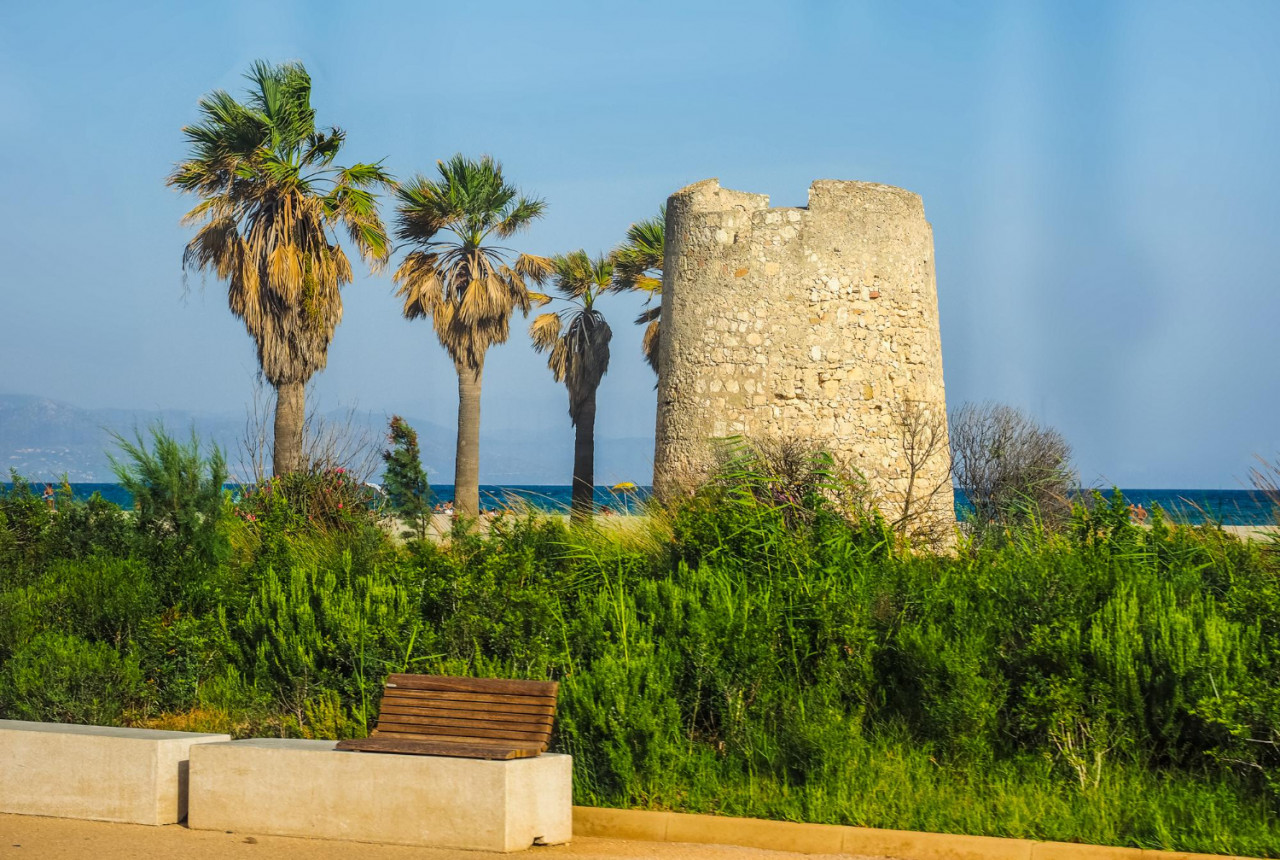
(43, 439)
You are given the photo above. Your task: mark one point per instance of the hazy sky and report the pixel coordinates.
(1102, 179)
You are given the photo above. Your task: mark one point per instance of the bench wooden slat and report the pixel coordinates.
(468, 740)
(474, 685)
(470, 717)
(423, 747)
(432, 699)
(446, 715)
(488, 742)
(392, 722)
(531, 702)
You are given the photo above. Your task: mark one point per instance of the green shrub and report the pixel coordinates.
(178, 653)
(305, 502)
(178, 501)
(98, 598)
(24, 518)
(90, 527)
(313, 631)
(61, 678)
(496, 599)
(405, 481)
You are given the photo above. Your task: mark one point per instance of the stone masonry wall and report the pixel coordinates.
(817, 322)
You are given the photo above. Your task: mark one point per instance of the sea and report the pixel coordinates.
(1227, 507)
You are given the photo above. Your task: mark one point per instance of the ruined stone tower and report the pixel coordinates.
(818, 322)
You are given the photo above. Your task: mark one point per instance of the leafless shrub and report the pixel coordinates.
(1012, 469)
(916, 515)
(341, 442)
(344, 442)
(255, 445)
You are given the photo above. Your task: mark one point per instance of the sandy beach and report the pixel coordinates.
(442, 523)
(1253, 533)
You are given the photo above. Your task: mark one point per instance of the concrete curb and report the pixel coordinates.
(644, 826)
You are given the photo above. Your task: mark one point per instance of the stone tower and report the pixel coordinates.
(818, 322)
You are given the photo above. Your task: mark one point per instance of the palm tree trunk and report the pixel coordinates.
(466, 470)
(584, 461)
(290, 412)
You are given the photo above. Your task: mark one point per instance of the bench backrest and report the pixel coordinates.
(468, 710)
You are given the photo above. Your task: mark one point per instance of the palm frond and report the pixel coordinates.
(533, 267)
(649, 344)
(581, 278)
(640, 258)
(453, 274)
(649, 315)
(272, 204)
(545, 331)
(520, 216)
(638, 266)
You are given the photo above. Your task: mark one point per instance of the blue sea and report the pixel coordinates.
(1228, 507)
(543, 497)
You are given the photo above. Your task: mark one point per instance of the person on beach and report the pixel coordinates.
(48, 496)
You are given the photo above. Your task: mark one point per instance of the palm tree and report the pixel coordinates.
(273, 201)
(577, 340)
(639, 267)
(465, 284)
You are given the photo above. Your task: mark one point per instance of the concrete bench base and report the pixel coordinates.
(307, 788)
(136, 776)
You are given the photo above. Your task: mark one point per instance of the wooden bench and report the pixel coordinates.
(464, 717)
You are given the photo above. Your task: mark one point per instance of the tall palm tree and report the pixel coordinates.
(577, 340)
(464, 283)
(273, 202)
(639, 267)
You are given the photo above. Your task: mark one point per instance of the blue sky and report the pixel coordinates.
(1101, 177)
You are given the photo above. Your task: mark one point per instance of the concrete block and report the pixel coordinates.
(137, 776)
(307, 788)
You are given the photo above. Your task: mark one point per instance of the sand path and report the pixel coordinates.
(26, 837)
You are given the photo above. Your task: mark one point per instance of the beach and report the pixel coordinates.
(1254, 533)
(441, 524)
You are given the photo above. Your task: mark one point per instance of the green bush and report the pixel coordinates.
(314, 634)
(302, 502)
(99, 598)
(84, 528)
(24, 519)
(179, 508)
(62, 678)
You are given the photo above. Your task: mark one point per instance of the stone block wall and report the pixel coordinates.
(818, 322)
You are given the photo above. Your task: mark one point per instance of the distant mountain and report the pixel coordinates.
(42, 439)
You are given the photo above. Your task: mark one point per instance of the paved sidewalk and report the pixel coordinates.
(26, 837)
